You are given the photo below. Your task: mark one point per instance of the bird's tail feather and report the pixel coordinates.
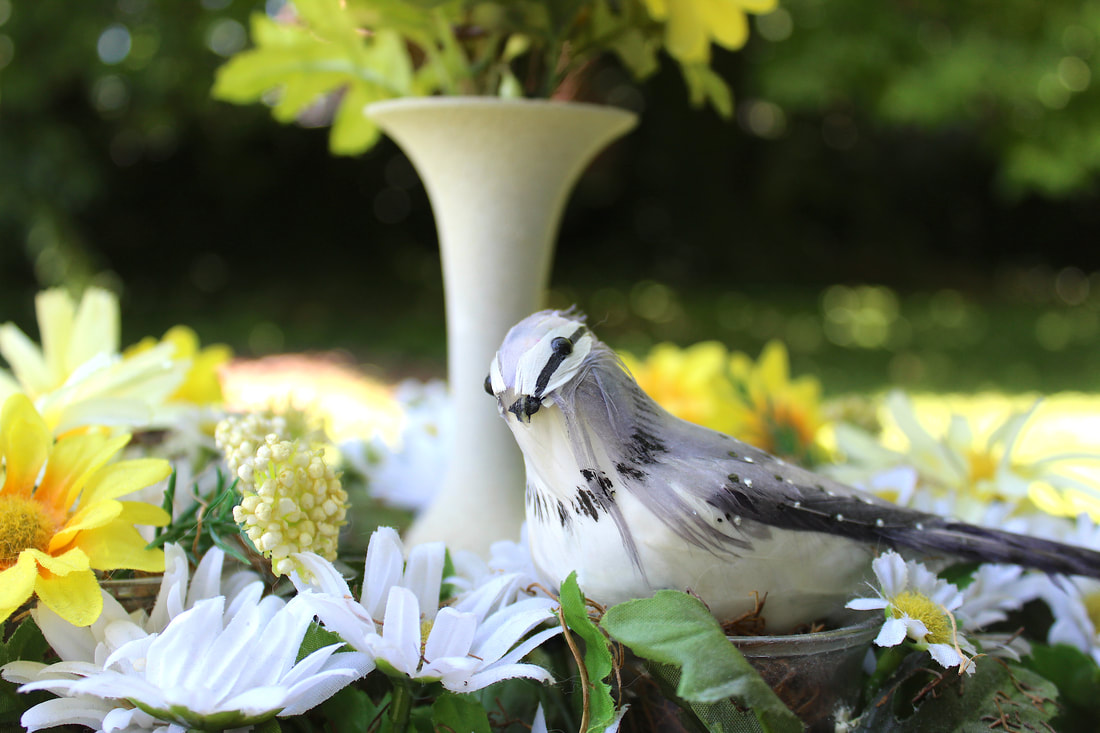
(981, 544)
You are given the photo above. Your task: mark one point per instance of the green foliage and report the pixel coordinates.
(206, 523)
(1018, 75)
(24, 643)
(597, 700)
(1077, 678)
(674, 628)
(459, 713)
(998, 696)
(370, 51)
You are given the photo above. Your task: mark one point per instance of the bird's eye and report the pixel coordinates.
(562, 345)
(488, 386)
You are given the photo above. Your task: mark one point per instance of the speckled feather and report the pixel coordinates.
(614, 479)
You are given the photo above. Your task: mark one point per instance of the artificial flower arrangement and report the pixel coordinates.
(252, 525)
(364, 52)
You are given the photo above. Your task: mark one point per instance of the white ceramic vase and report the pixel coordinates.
(498, 174)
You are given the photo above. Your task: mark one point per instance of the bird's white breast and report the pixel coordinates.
(806, 575)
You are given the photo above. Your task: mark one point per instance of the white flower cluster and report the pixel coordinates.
(292, 500)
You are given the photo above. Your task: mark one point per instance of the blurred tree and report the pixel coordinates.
(1017, 74)
(87, 90)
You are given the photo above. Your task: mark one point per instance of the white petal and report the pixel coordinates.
(207, 580)
(383, 570)
(401, 630)
(866, 604)
(945, 654)
(324, 577)
(452, 635)
(892, 633)
(173, 588)
(892, 573)
(424, 575)
(87, 711)
(496, 673)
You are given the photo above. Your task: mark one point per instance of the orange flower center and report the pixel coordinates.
(24, 525)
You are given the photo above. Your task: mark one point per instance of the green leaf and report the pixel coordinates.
(998, 696)
(597, 654)
(459, 713)
(316, 637)
(705, 86)
(327, 55)
(674, 628)
(25, 643)
(351, 710)
(1076, 676)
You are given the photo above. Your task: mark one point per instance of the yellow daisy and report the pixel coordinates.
(77, 377)
(60, 518)
(202, 385)
(691, 25)
(691, 383)
(776, 413)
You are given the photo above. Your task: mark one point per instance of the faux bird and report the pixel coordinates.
(636, 500)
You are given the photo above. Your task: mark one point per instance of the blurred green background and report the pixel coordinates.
(906, 196)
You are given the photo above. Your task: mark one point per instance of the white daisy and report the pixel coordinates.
(919, 608)
(1075, 601)
(199, 658)
(477, 640)
(405, 472)
(505, 558)
(994, 591)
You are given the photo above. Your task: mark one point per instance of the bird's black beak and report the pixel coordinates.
(525, 407)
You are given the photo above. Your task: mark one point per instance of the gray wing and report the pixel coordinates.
(679, 470)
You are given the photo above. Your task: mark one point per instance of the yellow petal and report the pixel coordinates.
(74, 597)
(71, 561)
(142, 512)
(685, 34)
(86, 518)
(658, 9)
(119, 545)
(25, 443)
(74, 459)
(184, 339)
(758, 6)
(95, 329)
(122, 478)
(25, 359)
(55, 311)
(726, 21)
(17, 584)
(773, 367)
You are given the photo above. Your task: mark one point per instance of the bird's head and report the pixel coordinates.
(540, 354)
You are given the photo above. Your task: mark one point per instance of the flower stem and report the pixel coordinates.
(888, 663)
(401, 706)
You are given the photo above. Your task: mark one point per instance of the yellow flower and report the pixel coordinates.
(60, 517)
(202, 385)
(776, 413)
(974, 468)
(691, 25)
(691, 383)
(77, 376)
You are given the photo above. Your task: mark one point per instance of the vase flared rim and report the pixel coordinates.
(467, 102)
